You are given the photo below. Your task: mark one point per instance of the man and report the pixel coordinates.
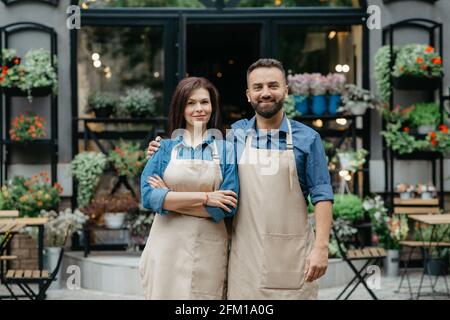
(274, 254)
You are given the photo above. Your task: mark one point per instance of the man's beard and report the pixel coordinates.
(268, 112)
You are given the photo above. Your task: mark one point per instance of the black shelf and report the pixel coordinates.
(6, 94)
(408, 84)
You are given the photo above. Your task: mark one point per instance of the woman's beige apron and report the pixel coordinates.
(186, 256)
(271, 236)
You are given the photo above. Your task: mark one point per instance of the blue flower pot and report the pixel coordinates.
(301, 104)
(333, 103)
(319, 105)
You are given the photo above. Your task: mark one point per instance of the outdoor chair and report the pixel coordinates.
(373, 255)
(24, 278)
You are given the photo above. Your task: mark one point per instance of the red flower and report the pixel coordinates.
(402, 69)
(1, 79)
(437, 61)
(432, 135)
(406, 129)
(419, 60)
(434, 142)
(16, 60)
(423, 67)
(443, 128)
(429, 49)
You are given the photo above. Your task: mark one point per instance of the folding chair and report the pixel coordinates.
(8, 230)
(23, 278)
(373, 255)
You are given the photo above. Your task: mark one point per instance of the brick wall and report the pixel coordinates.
(25, 248)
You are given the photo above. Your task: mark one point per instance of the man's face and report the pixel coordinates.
(266, 91)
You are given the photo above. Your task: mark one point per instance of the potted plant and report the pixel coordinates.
(424, 116)
(27, 128)
(383, 72)
(36, 77)
(356, 100)
(127, 158)
(400, 141)
(417, 67)
(299, 86)
(352, 160)
(58, 227)
(336, 86)
(405, 191)
(439, 140)
(348, 206)
(87, 168)
(388, 232)
(426, 191)
(318, 86)
(103, 104)
(139, 223)
(289, 107)
(138, 103)
(116, 208)
(30, 195)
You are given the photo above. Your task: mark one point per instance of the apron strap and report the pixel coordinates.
(291, 155)
(173, 155)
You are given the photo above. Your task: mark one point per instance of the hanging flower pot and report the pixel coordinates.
(35, 92)
(105, 112)
(319, 105)
(301, 104)
(333, 103)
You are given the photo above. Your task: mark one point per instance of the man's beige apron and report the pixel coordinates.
(185, 256)
(271, 236)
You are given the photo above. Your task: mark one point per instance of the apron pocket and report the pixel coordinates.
(209, 267)
(283, 261)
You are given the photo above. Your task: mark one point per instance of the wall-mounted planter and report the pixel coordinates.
(35, 92)
(415, 83)
(51, 2)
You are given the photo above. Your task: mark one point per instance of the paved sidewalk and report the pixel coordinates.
(386, 292)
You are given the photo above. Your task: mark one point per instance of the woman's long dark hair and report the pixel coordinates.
(180, 98)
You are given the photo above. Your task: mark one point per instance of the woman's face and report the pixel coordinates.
(198, 108)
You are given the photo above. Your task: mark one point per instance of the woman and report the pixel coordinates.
(192, 184)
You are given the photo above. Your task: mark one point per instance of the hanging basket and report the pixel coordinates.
(408, 82)
(35, 92)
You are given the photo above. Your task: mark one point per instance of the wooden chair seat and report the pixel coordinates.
(418, 244)
(4, 258)
(366, 253)
(26, 275)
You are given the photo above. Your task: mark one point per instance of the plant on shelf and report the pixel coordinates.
(439, 140)
(424, 116)
(36, 72)
(116, 208)
(31, 195)
(318, 85)
(426, 191)
(127, 158)
(400, 141)
(356, 100)
(289, 107)
(103, 104)
(336, 87)
(417, 60)
(139, 223)
(388, 231)
(405, 191)
(383, 72)
(60, 224)
(87, 168)
(299, 87)
(352, 160)
(348, 206)
(27, 128)
(138, 103)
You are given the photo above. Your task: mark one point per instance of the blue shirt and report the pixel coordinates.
(153, 199)
(310, 158)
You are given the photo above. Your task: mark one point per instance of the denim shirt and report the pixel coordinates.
(310, 158)
(153, 199)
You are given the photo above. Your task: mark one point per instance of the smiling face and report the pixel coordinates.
(198, 108)
(266, 91)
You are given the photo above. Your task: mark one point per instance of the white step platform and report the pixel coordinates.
(112, 272)
(117, 272)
